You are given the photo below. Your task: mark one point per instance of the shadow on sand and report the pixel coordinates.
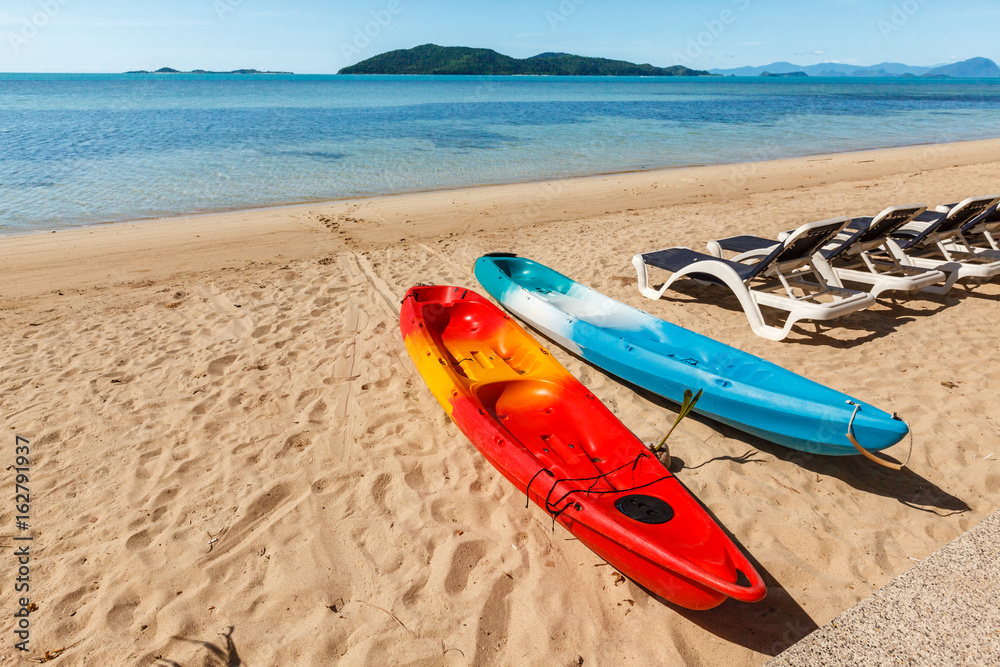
(769, 626)
(890, 314)
(777, 622)
(224, 655)
(905, 486)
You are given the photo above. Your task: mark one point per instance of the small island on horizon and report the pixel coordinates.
(431, 59)
(171, 70)
(463, 60)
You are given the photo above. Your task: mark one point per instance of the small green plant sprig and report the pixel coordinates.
(690, 400)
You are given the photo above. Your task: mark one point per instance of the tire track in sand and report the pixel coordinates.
(346, 366)
(447, 260)
(388, 298)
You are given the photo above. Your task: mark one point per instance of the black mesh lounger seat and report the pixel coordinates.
(675, 259)
(746, 243)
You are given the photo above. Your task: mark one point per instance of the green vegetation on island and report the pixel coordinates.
(434, 59)
(784, 75)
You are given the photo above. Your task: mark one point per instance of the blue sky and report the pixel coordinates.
(313, 36)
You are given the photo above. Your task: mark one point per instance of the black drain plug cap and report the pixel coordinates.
(646, 509)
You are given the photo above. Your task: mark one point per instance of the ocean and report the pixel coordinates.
(81, 149)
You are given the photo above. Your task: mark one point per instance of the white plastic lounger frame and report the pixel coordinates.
(859, 255)
(868, 260)
(787, 263)
(940, 245)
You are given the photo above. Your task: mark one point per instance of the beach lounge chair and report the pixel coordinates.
(859, 254)
(781, 278)
(986, 232)
(980, 233)
(934, 240)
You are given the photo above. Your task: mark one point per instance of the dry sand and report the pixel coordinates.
(234, 461)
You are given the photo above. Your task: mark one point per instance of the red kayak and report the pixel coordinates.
(557, 443)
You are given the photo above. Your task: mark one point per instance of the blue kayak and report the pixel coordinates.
(741, 390)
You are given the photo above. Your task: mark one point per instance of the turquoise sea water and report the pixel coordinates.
(81, 149)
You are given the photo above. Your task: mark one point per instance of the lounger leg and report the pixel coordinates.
(642, 273)
(951, 269)
(945, 287)
(750, 300)
(751, 308)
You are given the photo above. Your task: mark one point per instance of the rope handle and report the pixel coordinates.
(868, 455)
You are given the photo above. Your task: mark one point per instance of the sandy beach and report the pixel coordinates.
(233, 460)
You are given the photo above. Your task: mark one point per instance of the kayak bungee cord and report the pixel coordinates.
(868, 455)
(551, 507)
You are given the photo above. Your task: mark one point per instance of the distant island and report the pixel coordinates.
(973, 68)
(434, 59)
(784, 74)
(171, 70)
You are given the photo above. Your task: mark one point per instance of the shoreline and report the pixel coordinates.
(987, 142)
(108, 251)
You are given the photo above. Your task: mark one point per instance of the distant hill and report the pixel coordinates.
(171, 70)
(774, 68)
(434, 59)
(827, 70)
(977, 68)
(784, 74)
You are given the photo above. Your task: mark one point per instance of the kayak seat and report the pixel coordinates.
(546, 419)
